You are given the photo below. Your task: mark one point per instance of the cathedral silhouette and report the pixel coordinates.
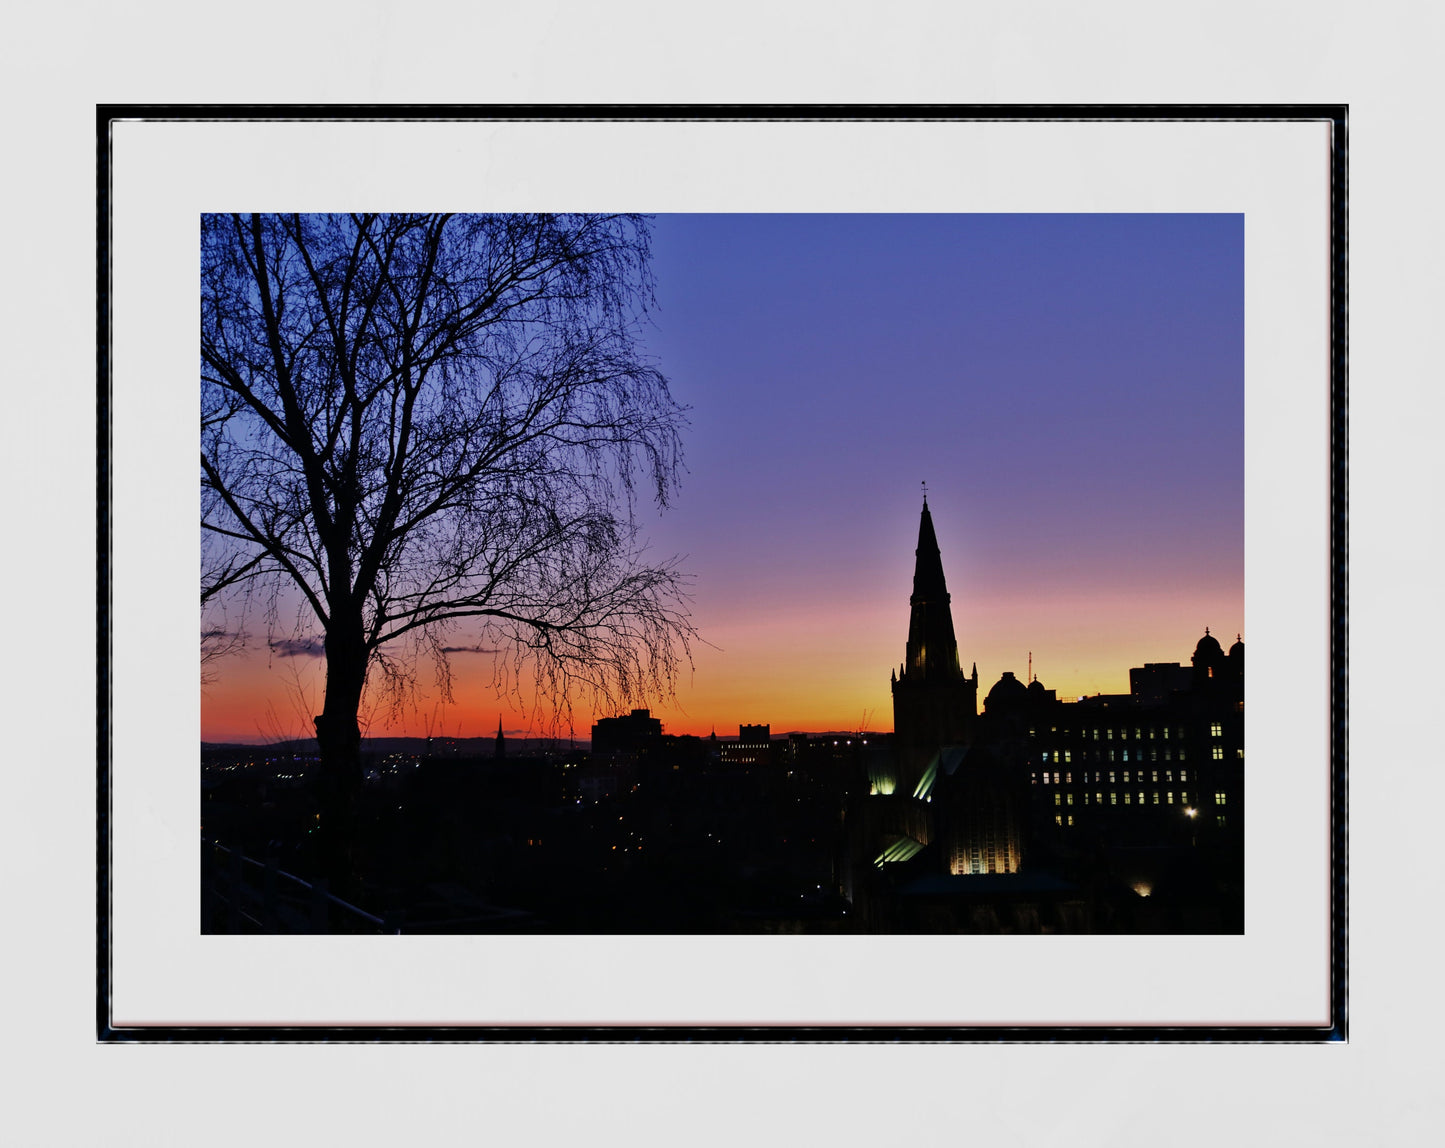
(1113, 812)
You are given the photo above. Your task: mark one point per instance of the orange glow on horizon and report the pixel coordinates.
(795, 670)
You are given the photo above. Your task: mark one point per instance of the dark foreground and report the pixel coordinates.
(559, 843)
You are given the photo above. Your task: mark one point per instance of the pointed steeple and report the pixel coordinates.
(932, 648)
(501, 750)
(934, 705)
(928, 562)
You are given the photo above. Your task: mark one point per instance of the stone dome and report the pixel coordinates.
(1007, 689)
(1208, 649)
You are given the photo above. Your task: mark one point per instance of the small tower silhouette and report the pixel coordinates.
(501, 750)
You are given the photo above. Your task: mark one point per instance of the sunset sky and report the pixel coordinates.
(1070, 387)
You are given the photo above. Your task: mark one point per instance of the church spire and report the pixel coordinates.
(501, 750)
(932, 648)
(928, 563)
(934, 705)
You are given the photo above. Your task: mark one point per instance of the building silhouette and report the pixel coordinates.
(1153, 767)
(630, 734)
(934, 704)
(1044, 814)
(753, 747)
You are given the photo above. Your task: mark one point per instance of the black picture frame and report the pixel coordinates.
(1336, 116)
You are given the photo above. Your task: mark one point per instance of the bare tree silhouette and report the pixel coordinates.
(425, 422)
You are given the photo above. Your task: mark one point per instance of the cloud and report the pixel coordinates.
(298, 647)
(477, 649)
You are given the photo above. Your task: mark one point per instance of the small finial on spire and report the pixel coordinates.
(925, 492)
(1206, 631)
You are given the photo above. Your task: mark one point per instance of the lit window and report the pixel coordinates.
(1216, 729)
(1156, 797)
(1098, 799)
(1151, 733)
(1111, 777)
(1181, 753)
(1138, 734)
(1183, 775)
(1086, 799)
(1069, 779)
(1058, 798)
(1220, 820)
(1141, 797)
(1109, 734)
(1170, 795)
(1113, 798)
(1111, 755)
(1096, 735)
(1153, 754)
(1045, 756)
(1153, 775)
(1240, 753)
(1126, 755)
(1166, 733)
(1071, 819)
(1166, 756)
(1219, 799)
(1071, 800)
(1068, 756)
(1218, 753)
(1058, 819)
(1126, 799)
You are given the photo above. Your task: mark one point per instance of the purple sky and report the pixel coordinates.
(1071, 387)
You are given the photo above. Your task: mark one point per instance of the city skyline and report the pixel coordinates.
(1069, 387)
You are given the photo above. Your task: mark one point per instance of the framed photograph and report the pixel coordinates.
(684, 573)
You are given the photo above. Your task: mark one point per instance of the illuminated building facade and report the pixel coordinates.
(754, 746)
(1151, 766)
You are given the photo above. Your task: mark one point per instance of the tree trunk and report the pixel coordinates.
(338, 738)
